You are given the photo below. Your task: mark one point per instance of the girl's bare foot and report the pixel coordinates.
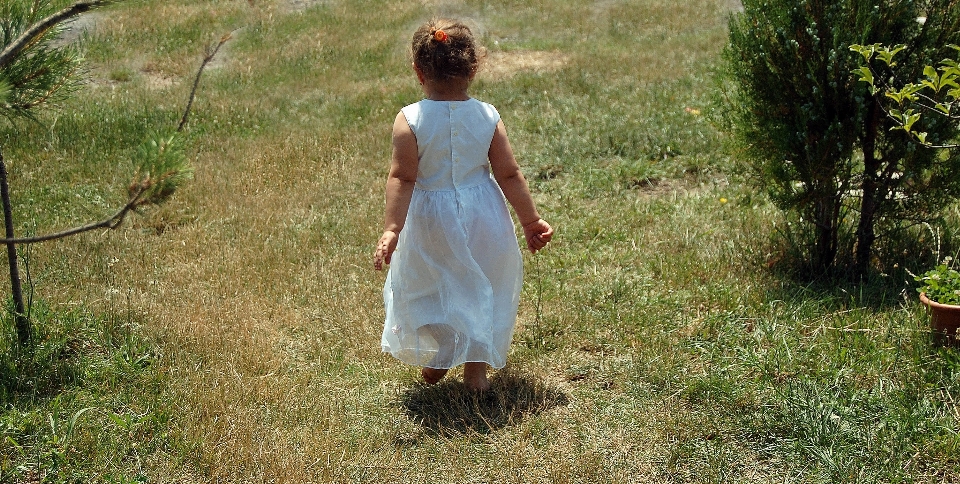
(475, 377)
(432, 375)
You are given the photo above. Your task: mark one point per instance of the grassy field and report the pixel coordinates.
(232, 335)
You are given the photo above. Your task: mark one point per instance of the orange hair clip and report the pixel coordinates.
(440, 36)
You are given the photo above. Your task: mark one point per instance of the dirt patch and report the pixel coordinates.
(301, 5)
(155, 78)
(76, 27)
(600, 8)
(442, 4)
(500, 65)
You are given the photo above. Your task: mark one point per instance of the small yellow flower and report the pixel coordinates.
(723, 200)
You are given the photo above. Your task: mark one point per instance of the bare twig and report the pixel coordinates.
(108, 223)
(41, 27)
(196, 81)
(539, 313)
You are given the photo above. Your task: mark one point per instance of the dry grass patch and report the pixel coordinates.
(301, 5)
(504, 64)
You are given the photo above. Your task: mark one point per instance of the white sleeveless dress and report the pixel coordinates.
(453, 287)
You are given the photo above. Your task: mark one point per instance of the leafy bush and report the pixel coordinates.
(817, 140)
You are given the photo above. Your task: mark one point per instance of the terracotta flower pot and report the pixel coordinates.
(944, 320)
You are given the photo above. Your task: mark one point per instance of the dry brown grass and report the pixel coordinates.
(499, 65)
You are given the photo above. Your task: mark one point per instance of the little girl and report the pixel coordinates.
(452, 292)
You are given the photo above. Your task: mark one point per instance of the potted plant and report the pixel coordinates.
(940, 292)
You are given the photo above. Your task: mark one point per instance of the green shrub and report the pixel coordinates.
(818, 140)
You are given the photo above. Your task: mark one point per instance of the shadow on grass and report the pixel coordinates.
(450, 409)
(888, 282)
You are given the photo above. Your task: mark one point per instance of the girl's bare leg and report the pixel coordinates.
(432, 375)
(446, 339)
(475, 376)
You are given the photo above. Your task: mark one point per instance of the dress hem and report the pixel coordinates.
(387, 351)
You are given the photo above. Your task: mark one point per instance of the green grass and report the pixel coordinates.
(87, 404)
(232, 334)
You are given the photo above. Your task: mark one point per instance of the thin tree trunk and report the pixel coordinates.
(24, 330)
(866, 233)
(827, 231)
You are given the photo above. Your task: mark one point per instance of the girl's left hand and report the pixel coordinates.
(385, 247)
(538, 234)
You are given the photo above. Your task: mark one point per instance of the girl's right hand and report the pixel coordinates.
(538, 234)
(385, 247)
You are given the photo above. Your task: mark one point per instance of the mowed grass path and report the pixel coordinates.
(655, 343)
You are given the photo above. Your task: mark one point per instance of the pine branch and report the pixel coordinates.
(38, 29)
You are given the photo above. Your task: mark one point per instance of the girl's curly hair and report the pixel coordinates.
(445, 49)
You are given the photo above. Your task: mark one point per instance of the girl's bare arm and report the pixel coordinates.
(508, 175)
(400, 183)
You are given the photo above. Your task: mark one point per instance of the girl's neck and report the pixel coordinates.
(451, 90)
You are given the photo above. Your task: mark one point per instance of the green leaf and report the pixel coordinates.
(933, 79)
(941, 284)
(14, 443)
(949, 75)
(905, 119)
(72, 423)
(866, 75)
(910, 118)
(885, 54)
(866, 51)
(908, 93)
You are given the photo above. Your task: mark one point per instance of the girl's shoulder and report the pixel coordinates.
(429, 104)
(485, 110)
(488, 108)
(426, 107)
